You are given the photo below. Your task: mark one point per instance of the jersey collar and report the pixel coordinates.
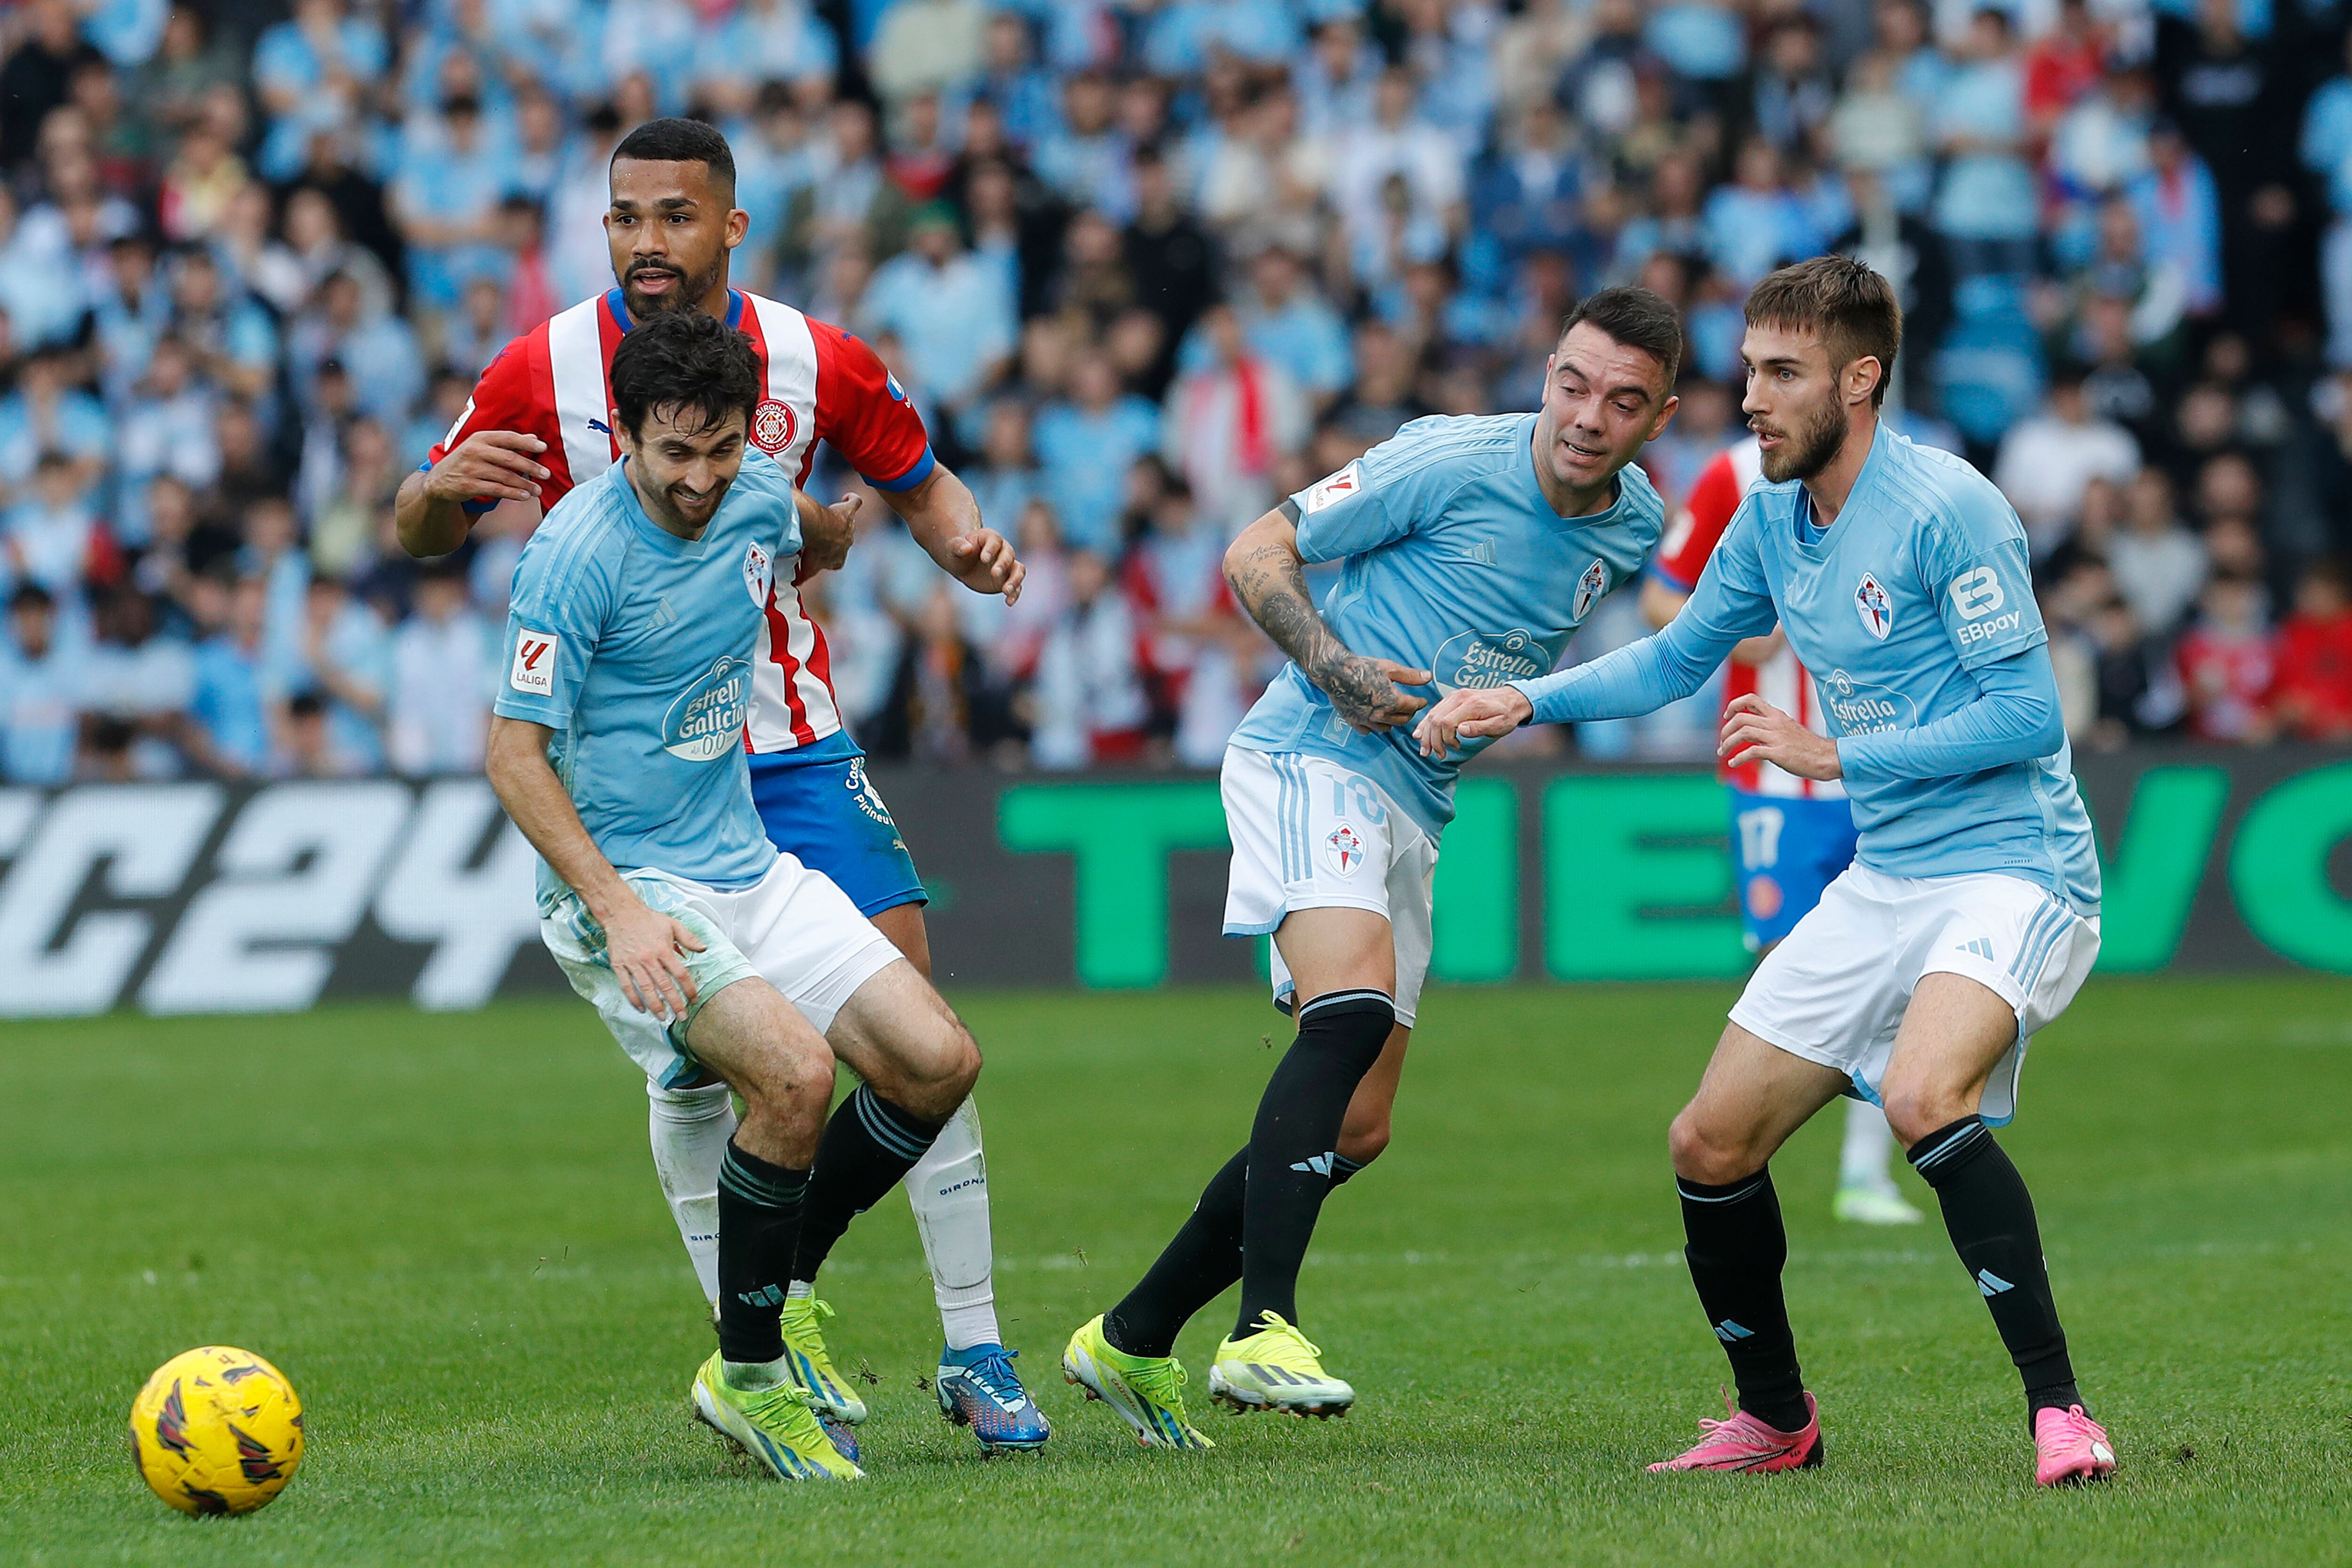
(1865, 487)
(617, 305)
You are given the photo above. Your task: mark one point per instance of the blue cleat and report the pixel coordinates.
(977, 1388)
(843, 1436)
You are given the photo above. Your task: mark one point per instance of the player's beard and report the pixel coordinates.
(687, 294)
(1811, 447)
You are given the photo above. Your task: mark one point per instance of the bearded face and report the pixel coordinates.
(1810, 443)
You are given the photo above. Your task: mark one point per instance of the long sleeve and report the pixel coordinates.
(1728, 604)
(2016, 719)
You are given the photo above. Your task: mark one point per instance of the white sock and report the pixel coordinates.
(1869, 1147)
(948, 1190)
(689, 1128)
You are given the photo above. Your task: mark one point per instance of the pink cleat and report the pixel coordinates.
(1744, 1443)
(2069, 1446)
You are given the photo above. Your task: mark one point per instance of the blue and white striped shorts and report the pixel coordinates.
(1834, 990)
(1310, 834)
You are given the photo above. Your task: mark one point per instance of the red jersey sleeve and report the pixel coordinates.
(863, 412)
(1700, 522)
(509, 397)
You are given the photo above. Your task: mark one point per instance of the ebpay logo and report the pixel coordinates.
(705, 722)
(1477, 660)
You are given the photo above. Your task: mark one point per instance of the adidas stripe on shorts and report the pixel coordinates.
(1310, 834)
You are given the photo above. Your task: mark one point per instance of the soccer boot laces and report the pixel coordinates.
(1147, 1391)
(813, 1369)
(775, 1425)
(977, 1388)
(1276, 1368)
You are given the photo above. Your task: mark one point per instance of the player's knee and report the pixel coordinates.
(937, 1074)
(1916, 1106)
(1710, 1156)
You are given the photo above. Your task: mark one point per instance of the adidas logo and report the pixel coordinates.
(1319, 1166)
(1731, 1332)
(1982, 947)
(765, 1296)
(1992, 1284)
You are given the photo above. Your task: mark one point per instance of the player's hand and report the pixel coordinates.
(1756, 731)
(492, 465)
(643, 948)
(983, 561)
(1364, 691)
(826, 548)
(1490, 711)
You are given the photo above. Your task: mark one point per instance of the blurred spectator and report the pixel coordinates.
(955, 315)
(441, 656)
(1086, 444)
(1229, 420)
(2312, 692)
(2227, 661)
(236, 707)
(2046, 460)
(2158, 565)
(40, 692)
(50, 536)
(1089, 706)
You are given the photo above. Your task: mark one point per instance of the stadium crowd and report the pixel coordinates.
(1144, 266)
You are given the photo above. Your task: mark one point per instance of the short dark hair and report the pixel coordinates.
(31, 595)
(1850, 307)
(1637, 318)
(680, 141)
(686, 360)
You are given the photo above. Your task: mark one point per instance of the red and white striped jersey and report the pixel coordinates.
(1781, 680)
(823, 384)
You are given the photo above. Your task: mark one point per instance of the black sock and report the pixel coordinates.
(759, 1228)
(869, 1147)
(1736, 1249)
(1195, 1269)
(1989, 1215)
(1291, 1154)
(1205, 1258)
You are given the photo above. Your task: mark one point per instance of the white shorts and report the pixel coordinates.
(793, 928)
(1833, 991)
(1310, 834)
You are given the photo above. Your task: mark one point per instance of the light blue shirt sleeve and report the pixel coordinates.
(554, 623)
(1731, 601)
(2016, 721)
(1389, 492)
(1981, 576)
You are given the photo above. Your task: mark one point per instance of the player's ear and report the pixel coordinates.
(1863, 378)
(738, 223)
(1666, 417)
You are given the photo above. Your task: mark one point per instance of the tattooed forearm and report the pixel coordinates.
(1270, 581)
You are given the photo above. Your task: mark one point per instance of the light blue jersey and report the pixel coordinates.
(1914, 611)
(636, 647)
(1457, 565)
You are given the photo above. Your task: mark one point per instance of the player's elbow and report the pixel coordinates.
(1272, 531)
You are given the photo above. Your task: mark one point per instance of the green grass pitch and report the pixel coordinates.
(446, 1230)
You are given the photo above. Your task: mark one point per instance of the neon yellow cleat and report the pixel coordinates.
(1277, 1369)
(1147, 1391)
(775, 1425)
(812, 1368)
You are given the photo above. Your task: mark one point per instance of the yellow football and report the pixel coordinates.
(216, 1430)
